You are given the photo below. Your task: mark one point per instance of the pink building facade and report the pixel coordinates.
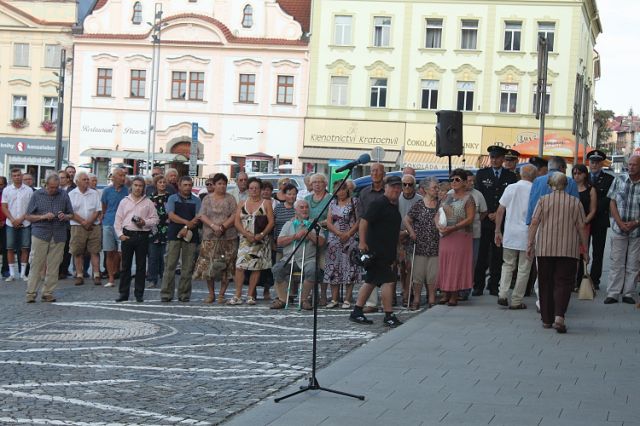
(237, 68)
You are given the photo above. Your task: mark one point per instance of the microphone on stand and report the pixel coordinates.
(363, 159)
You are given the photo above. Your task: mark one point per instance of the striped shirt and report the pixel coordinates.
(558, 214)
(626, 194)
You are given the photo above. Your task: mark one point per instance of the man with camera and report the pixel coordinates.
(379, 231)
(135, 217)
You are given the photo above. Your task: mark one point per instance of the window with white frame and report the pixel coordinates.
(378, 93)
(429, 94)
(52, 55)
(285, 89)
(342, 30)
(50, 108)
(469, 35)
(136, 18)
(339, 90)
(247, 16)
(547, 99)
(466, 91)
(434, 34)
(381, 31)
(508, 97)
(21, 54)
(512, 35)
(548, 31)
(19, 111)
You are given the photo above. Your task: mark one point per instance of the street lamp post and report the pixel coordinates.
(59, 118)
(156, 29)
(543, 61)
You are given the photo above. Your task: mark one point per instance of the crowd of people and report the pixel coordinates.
(512, 231)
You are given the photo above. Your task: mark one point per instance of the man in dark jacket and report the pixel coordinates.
(601, 181)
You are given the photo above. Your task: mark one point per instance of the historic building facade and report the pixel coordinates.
(382, 69)
(237, 68)
(32, 35)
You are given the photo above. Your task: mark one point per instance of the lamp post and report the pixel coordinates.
(156, 29)
(59, 118)
(543, 61)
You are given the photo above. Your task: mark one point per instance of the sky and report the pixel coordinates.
(618, 88)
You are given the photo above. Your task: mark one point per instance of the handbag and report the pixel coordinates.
(260, 223)
(587, 290)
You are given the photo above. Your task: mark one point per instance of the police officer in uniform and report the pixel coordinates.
(602, 182)
(511, 161)
(491, 182)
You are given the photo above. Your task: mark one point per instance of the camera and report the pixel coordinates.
(135, 219)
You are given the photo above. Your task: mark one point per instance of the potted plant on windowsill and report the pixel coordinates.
(48, 126)
(19, 123)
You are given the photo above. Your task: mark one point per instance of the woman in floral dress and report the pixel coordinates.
(342, 223)
(158, 240)
(219, 238)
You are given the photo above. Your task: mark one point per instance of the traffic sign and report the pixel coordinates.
(193, 155)
(377, 153)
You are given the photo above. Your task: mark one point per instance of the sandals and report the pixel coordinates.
(346, 305)
(234, 301)
(210, 298)
(517, 307)
(332, 304)
(277, 304)
(251, 301)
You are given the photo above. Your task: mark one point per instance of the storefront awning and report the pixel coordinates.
(312, 154)
(430, 161)
(132, 155)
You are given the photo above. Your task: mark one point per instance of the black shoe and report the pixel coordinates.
(184, 300)
(139, 299)
(359, 319)
(477, 292)
(629, 300)
(493, 293)
(122, 299)
(610, 300)
(178, 271)
(502, 301)
(165, 300)
(391, 321)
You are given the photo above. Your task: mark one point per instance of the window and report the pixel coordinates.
(342, 33)
(547, 99)
(429, 94)
(469, 34)
(21, 54)
(339, 89)
(285, 89)
(508, 98)
(136, 19)
(52, 55)
(547, 30)
(434, 34)
(465, 95)
(104, 82)
(381, 31)
(19, 108)
(178, 85)
(247, 88)
(512, 35)
(50, 111)
(247, 16)
(138, 80)
(378, 93)
(196, 86)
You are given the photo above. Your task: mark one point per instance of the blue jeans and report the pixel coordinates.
(156, 261)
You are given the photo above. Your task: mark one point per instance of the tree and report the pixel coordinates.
(602, 118)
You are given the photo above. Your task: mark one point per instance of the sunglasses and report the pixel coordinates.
(455, 179)
(406, 184)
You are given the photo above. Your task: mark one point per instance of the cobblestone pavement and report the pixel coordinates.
(86, 360)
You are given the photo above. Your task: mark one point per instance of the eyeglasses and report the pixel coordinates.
(455, 179)
(208, 184)
(407, 184)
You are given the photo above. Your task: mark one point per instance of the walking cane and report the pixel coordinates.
(304, 246)
(413, 259)
(286, 306)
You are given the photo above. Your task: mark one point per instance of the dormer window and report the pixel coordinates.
(247, 17)
(136, 19)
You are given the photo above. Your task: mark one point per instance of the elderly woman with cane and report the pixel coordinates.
(555, 234)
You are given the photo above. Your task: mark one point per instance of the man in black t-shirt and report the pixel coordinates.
(379, 232)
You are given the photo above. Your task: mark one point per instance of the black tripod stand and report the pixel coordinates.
(313, 381)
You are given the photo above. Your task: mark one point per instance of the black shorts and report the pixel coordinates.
(380, 273)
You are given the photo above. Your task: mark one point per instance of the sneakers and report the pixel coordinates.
(359, 319)
(391, 321)
(109, 284)
(251, 301)
(24, 278)
(9, 279)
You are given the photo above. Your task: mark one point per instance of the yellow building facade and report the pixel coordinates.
(32, 35)
(380, 71)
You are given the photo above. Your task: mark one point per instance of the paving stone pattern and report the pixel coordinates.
(88, 360)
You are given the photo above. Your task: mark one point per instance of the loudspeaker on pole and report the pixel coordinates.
(449, 133)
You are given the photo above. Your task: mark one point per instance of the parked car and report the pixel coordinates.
(442, 175)
(297, 180)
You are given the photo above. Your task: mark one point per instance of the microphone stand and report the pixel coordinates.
(313, 381)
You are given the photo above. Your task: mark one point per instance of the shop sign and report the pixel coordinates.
(354, 134)
(27, 146)
(422, 137)
(509, 137)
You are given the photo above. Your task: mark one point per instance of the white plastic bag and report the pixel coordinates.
(442, 217)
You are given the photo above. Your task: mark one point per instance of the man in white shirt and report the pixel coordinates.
(515, 201)
(15, 199)
(86, 232)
